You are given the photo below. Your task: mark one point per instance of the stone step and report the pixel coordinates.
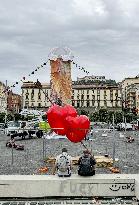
(71, 202)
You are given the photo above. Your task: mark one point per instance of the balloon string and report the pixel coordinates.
(87, 149)
(84, 145)
(46, 95)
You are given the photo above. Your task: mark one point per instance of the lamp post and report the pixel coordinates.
(6, 100)
(113, 142)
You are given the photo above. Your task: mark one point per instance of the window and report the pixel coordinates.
(87, 92)
(82, 103)
(116, 104)
(73, 103)
(32, 104)
(39, 95)
(78, 96)
(105, 103)
(26, 103)
(39, 104)
(93, 97)
(98, 103)
(87, 97)
(93, 102)
(27, 96)
(98, 92)
(78, 103)
(88, 103)
(82, 96)
(32, 96)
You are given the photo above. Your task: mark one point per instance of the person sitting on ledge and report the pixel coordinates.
(86, 164)
(63, 164)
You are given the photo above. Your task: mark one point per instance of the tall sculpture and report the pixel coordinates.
(61, 83)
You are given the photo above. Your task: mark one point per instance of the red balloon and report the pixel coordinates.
(56, 116)
(71, 111)
(77, 127)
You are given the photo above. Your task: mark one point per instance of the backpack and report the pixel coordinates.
(63, 163)
(85, 167)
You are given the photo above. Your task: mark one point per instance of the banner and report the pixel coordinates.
(61, 82)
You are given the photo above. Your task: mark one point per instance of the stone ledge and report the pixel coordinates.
(102, 185)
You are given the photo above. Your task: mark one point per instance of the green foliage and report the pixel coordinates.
(110, 117)
(84, 112)
(94, 117)
(130, 117)
(44, 117)
(17, 117)
(118, 117)
(107, 116)
(103, 115)
(10, 117)
(2, 117)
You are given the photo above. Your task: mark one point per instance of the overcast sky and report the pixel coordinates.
(102, 34)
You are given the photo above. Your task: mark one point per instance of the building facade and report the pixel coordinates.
(132, 96)
(130, 90)
(94, 97)
(88, 97)
(3, 99)
(35, 98)
(13, 102)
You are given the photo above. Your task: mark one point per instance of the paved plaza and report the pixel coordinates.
(36, 150)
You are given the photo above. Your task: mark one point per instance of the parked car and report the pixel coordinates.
(12, 128)
(2, 126)
(124, 126)
(135, 125)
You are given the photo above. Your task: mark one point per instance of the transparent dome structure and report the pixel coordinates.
(61, 52)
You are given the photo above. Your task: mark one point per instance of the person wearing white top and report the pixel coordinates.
(63, 164)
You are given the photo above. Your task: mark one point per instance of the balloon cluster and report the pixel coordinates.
(65, 121)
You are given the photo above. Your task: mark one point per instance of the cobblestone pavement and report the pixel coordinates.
(30, 160)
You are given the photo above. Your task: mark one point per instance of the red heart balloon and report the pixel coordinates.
(77, 127)
(71, 111)
(56, 116)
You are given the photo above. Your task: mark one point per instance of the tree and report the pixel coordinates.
(10, 117)
(94, 117)
(110, 117)
(17, 117)
(118, 117)
(103, 115)
(84, 112)
(2, 117)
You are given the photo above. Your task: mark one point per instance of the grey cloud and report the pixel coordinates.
(102, 34)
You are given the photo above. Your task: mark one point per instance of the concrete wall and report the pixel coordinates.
(108, 185)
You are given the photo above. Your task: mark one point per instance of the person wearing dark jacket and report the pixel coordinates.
(86, 164)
